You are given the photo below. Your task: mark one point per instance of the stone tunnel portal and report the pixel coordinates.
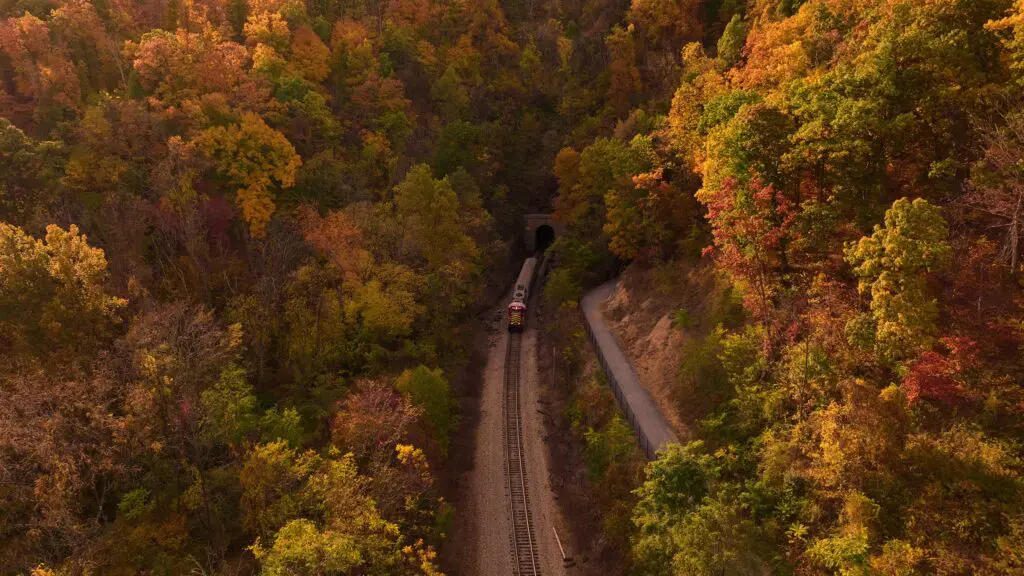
(541, 230)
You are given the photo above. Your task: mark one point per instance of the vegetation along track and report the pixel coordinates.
(525, 559)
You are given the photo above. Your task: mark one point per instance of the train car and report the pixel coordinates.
(521, 296)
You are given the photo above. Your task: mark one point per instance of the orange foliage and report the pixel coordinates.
(338, 238)
(310, 55)
(179, 66)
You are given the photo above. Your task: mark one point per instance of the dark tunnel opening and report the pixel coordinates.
(543, 237)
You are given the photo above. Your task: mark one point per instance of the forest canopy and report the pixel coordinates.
(847, 174)
(243, 244)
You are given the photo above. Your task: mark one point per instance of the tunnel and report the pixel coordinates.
(543, 238)
(539, 232)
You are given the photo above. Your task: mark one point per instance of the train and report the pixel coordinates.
(521, 296)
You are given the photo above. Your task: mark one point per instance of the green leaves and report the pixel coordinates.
(676, 482)
(428, 389)
(690, 522)
(730, 44)
(429, 210)
(228, 407)
(612, 445)
(229, 414)
(891, 266)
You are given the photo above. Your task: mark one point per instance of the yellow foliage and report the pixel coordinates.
(386, 306)
(348, 35)
(254, 157)
(858, 439)
(266, 60)
(267, 28)
(414, 458)
(688, 104)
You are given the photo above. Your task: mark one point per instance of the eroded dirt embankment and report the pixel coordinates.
(652, 312)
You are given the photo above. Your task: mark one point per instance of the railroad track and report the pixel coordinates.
(525, 559)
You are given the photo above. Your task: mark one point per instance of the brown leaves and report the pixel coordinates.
(310, 55)
(61, 449)
(178, 67)
(42, 73)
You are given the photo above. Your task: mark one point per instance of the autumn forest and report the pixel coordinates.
(245, 247)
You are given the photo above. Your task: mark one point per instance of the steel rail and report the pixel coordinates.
(524, 545)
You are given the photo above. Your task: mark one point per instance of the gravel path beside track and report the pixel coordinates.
(488, 502)
(545, 509)
(489, 509)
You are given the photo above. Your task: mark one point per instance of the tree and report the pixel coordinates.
(751, 225)
(269, 29)
(272, 478)
(46, 85)
(429, 209)
(1015, 45)
(648, 220)
(385, 306)
(703, 82)
(449, 94)
(715, 539)
(29, 184)
(997, 182)
(941, 377)
(730, 45)
(372, 420)
(301, 549)
(585, 181)
(310, 55)
(675, 484)
(624, 82)
(52, 299)
(64, 455)
(254, 157)
(668, 23)
(339, 239)
(228, 408)
(428, 390)
(891, 266)
(342, 531)
(181, 66)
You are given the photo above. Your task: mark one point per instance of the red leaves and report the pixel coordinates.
(751, 224)
(940, 377)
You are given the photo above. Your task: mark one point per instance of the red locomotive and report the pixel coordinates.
(521, 296)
